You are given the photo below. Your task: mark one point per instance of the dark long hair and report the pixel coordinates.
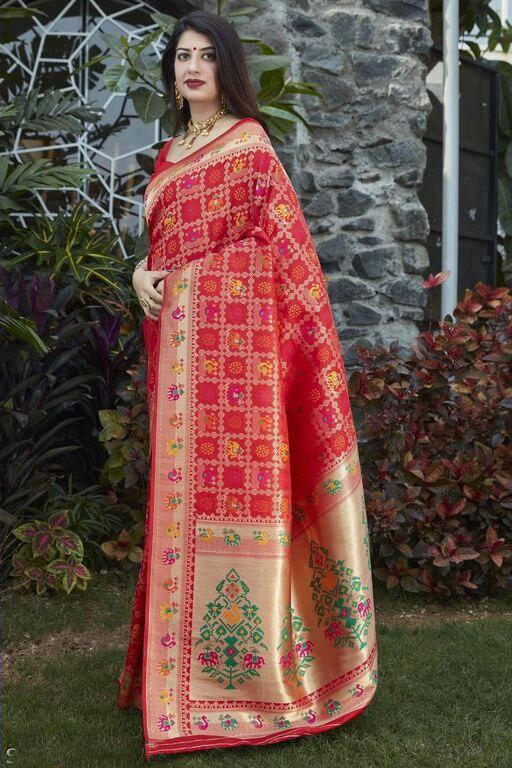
(233, 74)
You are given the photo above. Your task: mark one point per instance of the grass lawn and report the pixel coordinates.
(444, 697)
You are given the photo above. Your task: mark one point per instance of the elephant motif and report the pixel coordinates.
(333, 631)
(304, 648)
(209, 658)
(253, 662)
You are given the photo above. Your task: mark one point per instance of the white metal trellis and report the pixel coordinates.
(86, 152)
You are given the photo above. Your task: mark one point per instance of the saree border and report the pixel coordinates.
(194, 743)
(253, 137)
(160, 411)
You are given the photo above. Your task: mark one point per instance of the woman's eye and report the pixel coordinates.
(181, 55)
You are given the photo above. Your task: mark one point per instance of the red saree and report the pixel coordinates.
(253, 617)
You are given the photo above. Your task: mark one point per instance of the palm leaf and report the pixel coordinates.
(21, 328)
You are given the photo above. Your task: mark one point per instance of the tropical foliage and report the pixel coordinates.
(69, 329)
(480, 21)
(436, 450)
(70, 342)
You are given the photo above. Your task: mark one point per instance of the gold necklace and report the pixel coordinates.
(202, 128)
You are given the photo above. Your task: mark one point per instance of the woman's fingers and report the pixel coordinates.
(153, 293)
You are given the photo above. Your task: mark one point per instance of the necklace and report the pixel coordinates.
(202, 128)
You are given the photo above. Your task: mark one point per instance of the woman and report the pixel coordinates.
(253, 618)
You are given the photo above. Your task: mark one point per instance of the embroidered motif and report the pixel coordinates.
(228, 722)
(296, 649)
(201, 722)
(231, 634)
(340, 600)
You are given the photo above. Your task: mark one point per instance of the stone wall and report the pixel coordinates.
(358, 170)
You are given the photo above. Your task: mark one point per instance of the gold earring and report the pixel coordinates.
(223, 104)
(178, 96)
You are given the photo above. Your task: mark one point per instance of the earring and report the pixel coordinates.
(178, 96)
(223, 102)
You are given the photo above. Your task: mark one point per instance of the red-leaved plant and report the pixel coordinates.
(50, 556)
(436, 451)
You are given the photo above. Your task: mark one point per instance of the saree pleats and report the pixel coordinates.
(253, 617)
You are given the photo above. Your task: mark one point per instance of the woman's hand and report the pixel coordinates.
(148, 284)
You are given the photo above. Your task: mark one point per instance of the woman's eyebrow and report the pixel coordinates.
(180, 48)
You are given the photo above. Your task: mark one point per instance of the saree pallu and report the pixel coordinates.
(253, 617)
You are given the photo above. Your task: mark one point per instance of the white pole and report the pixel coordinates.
(506, 11)
(450, 256)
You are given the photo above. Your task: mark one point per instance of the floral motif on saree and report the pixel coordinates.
(253, 617)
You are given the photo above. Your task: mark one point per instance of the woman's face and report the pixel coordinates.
(195, 59)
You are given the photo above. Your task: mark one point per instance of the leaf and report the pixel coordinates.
(18, 561)
(82, 572)
(37, 175)
(109, 548)
(381, 573)
(392, 581)
(42, 543)
(20, 13)
(164, 21)
(464, 553)
(70, 543)
(57, 566)
(434, 473)
(473, 47)
(504, 480)
(149, 105)
(51, 110)
(27, 531)
(282, 113)
(259, 64)
(497, 558)
(468, 584)
(23, 330)
(68, 582)
(113, 43)
(135, 554)
(404, 549)
(409, 583)
(59, 519)
(116, 78)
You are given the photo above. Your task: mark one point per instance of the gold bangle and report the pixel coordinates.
(139, 263)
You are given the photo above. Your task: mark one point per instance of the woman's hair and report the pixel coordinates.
(233, 74)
